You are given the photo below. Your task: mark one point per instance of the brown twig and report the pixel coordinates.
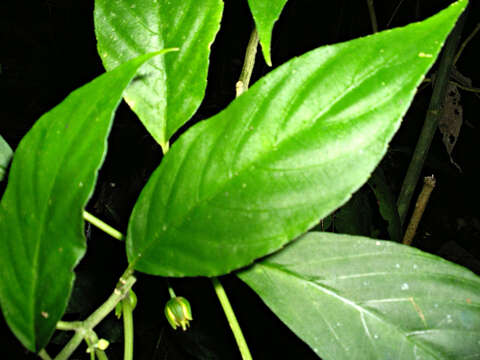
(428, 186)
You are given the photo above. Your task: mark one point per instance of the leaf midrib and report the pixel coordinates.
(360, 309)
(246, 167)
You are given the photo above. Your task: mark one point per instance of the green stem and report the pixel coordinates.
(101, 354)
(127, 328)
(74, 342)
(90, 347)
(102, 226)
(170, 289)
(121, 290)
(431, 122)
(69, 325)
(232, 320)
(92, 340)
(44, 355)
(248, 64)
(373, 17)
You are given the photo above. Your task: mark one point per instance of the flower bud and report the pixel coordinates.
(178, 312)
(131, 298)
(102, 344)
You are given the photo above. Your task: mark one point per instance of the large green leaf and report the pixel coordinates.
(350, 297)
(41, 227)
(266, 13)
(5, 156)
(171, 88)
(283, 155)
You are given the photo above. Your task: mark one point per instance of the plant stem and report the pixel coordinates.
(92, 339)
(241, 86)
(90, 347)
(74, 342)
(127, 329)
(232, 320)
(394, 13)
(420, 205)
(248, 64)
(464, 44)
(44, 355)
(69, 325)
(101, 354)
(102, 226)
(121, 290)
(170, 289)
(466, 88)
(431, 121)
(373, 17)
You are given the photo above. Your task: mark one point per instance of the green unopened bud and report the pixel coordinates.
(178, 312)
(132, 298)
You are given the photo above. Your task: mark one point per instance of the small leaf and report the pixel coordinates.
(5, 157)
(170, 89)
(386, 203)
(283, 155)
(350, 297)
(41, 227)
(265, 14)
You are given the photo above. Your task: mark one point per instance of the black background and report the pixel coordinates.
(48, 48)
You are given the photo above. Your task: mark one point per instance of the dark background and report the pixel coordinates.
(48, 48)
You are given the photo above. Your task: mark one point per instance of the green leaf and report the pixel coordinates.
(170, 89)
(386, 203)
(5, 157)
(265, 14)
(41, 227)
(350, 297)
(282, 156)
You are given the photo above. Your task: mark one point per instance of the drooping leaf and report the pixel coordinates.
(265, 14)
(283, 155)
(350, 297)
(171, 88)
(41, 227)
(5, 157)
(386, 203)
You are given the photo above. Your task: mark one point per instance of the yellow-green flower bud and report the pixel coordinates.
(102, 344)
(178, 312)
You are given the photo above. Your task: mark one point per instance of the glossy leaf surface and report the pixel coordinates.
(282, 156)
(265, 14)
(5, 157)
(41, 226)
(350, 297)
(169, 90)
